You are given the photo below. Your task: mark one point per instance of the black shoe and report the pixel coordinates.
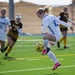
(2, 50)
(5, 49)
(66, 47)
(6, 54)
(58, 44)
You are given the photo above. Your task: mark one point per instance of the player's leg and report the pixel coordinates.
(46, 39)
(58, 43)
(2, 46)
(8, 43)
(2, 41)
(9, 48)
(51, 41)
(61, 39)
(65, 39)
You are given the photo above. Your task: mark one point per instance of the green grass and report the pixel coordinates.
(26, 61)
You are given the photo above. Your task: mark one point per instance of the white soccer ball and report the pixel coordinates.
(39, 46)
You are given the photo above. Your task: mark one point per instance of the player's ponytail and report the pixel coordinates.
(47, 9)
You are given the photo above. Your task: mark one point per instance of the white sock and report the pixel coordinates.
(49, 46)
(46, 43)
(52, 56)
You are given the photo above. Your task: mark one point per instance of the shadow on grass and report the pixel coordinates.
(9, 58)
(60, 49)
(1, 64)
(52, 74)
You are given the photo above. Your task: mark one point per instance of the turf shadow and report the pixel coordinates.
(9, 58)
(1, 64)
(52, 74)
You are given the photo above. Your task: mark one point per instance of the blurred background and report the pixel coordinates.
(27, 9)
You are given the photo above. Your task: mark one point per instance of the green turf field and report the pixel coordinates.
(26, 61)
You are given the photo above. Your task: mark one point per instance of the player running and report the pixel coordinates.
(16, 28)
(4, 22)
(64, 16)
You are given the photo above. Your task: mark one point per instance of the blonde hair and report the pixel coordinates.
(46, 9)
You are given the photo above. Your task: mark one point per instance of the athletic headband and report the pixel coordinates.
(18, 16)
(3, 8)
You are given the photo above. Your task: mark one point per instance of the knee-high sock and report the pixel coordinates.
(52, 56)
(7, 45)
(65, 40)
(61, 40)
(8, 50)
(46, 43)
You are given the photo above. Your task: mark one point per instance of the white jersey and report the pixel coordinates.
(4, 22)
(51, 22)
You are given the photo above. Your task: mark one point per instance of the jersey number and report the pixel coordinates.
(55, 23)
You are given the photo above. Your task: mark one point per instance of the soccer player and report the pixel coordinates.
(64, 16)
(51, 23)
(4, 22)
(16, 28)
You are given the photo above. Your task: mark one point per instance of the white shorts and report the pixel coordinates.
(3, 37)
(57, 37)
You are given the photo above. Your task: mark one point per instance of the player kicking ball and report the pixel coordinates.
(51, 23)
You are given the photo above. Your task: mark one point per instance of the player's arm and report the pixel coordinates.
(15, 26)
(9, 24)
(58, 17)
(69, 20)
(19, 30)
(63, 23)
(66, 25)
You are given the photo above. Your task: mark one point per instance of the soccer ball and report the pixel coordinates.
(39, 46)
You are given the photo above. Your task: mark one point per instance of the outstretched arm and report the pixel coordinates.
(69, 20)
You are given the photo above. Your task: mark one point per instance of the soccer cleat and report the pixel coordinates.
(56, 65)
(2, 50)
(6, 55)
(44, 52)
(5, 49)
(66, 47)
(58, 44)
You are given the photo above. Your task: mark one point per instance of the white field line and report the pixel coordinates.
(33, 69)
(24, 46)
(39, 59)
(32, 59)
(58, 59)
(20, 50)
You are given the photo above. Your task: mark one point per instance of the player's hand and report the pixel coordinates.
(71, 28)
(10, 28)
(73, 24)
